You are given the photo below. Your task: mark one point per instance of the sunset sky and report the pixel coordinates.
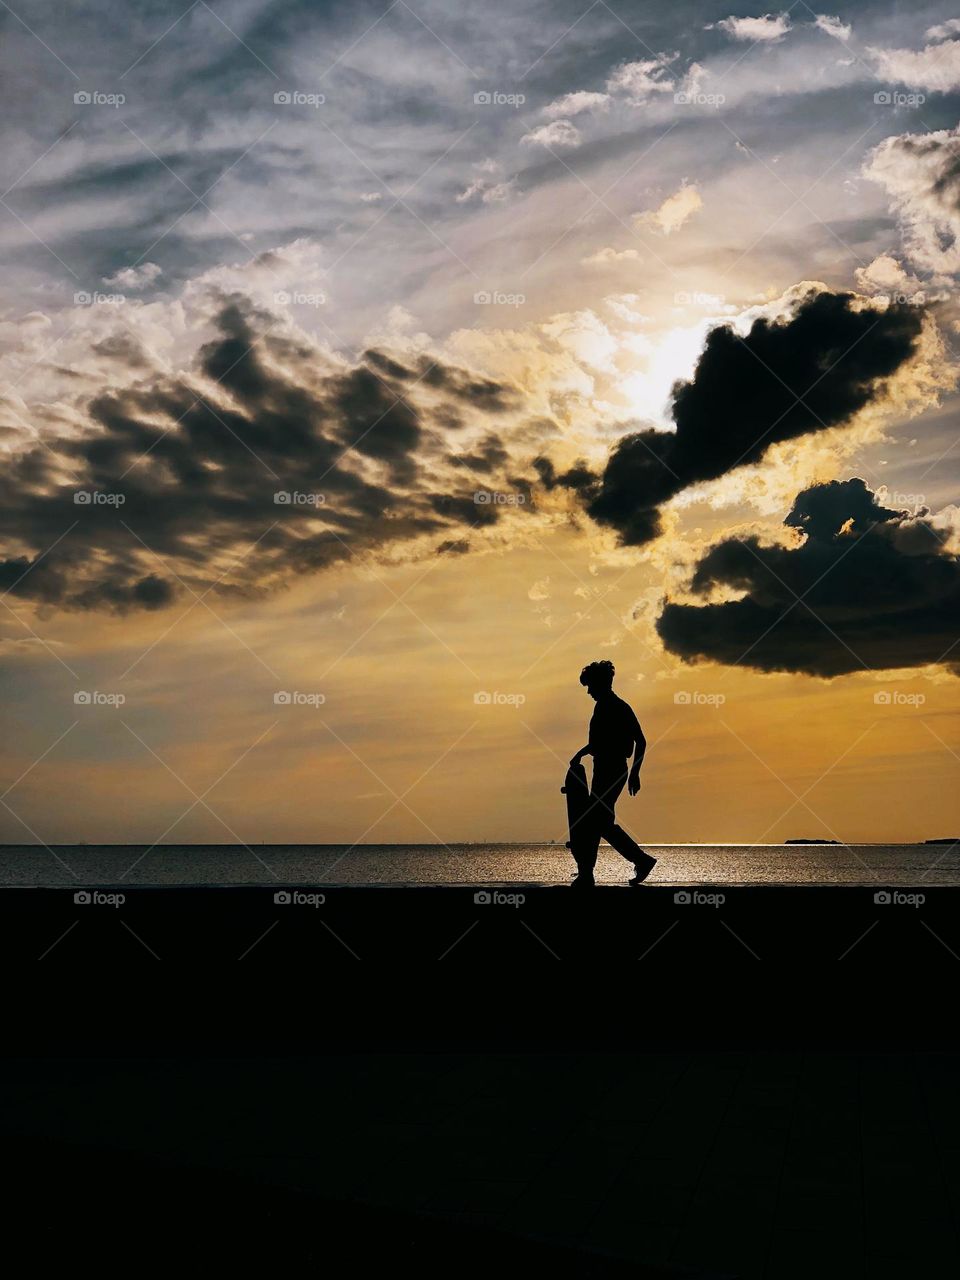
(367, 369)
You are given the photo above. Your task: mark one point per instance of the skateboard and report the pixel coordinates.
(577, 792)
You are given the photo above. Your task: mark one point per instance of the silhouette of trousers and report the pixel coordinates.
(609, 779)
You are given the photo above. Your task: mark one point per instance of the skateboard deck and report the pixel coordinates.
(577, 792)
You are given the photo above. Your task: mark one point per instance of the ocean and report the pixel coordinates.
(894, 865)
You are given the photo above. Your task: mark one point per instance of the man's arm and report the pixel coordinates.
(640, 750)
(584, 751)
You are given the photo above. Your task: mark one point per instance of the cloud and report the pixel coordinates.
(572, 104)
(946, 29)
(134, 278)
(886, 275)
(766, 29)
(586, 337)
(921, 174)
(489, 193)
(639, 81)
(833, 26)
(674, 211)
(935, 68)
(559, 133)
(608, 257)
(626, 307)
(179, 476)
(863, 587)
(810, 370)
(488, 184)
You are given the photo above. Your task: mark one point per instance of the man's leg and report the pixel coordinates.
(624, 844)
(607, 783)
(611, 783)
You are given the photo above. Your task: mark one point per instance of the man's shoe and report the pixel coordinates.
(642, 868)
(584, 882)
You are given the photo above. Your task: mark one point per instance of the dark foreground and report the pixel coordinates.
(663, 929)
(776, 1165)
(622, 1083)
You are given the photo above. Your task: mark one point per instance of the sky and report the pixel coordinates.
(368, 369)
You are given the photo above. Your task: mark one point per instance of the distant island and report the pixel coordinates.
(801, 841)
(944, 840)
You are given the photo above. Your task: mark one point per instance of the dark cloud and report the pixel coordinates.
(486, 455)
(785, 378)
(867, 588)
(124, 348)
(268, 464)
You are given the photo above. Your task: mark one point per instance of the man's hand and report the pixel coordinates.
(633, 784)
(584, 751)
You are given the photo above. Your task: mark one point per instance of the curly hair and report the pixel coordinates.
(600, 673)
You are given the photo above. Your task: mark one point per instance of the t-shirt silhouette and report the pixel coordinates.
(614, 729)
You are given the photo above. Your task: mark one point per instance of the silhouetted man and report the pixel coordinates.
(615, 734)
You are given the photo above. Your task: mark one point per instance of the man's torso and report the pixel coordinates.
(613, 729)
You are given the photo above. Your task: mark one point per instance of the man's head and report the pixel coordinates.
(598, 678)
